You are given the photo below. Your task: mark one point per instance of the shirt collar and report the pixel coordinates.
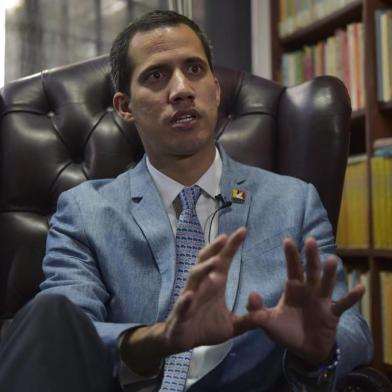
(169, 188)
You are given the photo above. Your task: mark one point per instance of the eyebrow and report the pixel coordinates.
(195, 59)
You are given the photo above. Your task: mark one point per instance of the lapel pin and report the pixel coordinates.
(238, 196)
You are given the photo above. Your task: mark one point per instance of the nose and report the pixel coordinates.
(181, 89)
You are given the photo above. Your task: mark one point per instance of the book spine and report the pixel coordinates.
(384, 57)
(357, 64)
(346, 62)
(386, 314)
(380, 82)
(365, 301)
(389, 51)
(376, 200)
(353, 79)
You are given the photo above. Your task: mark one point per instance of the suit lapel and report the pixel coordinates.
(230, 219)
(150, 215)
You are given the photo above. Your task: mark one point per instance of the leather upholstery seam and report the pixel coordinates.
(93, 128)
(21, 110)
(57, 132)
(58, 175)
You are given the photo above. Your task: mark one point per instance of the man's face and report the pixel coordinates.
(174, 95)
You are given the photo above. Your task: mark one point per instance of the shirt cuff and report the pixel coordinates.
(127, 376)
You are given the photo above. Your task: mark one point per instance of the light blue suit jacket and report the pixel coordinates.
(111, 250)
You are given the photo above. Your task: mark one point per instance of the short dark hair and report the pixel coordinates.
(121, 65)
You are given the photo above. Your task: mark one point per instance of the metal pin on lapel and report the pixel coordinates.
(238, 196)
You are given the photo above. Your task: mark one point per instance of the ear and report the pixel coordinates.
(121, 105)
(217, 91)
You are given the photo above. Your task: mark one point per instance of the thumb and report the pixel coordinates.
(256, 316)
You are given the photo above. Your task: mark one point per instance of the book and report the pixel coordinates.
(383, 27)
(382, 142)
(389, 53)
(386, 314)
(353, 219)
(385, 60)
(382, 193)
(282, 18)
(366, 304)
(355, 276)
(353, 69)
(361, 70)
(380, 82)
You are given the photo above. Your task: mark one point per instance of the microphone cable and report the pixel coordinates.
(224, 204)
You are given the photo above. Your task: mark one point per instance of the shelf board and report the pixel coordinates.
(358, 118)
(385, 106)
(358, 114)
(324, 27)
(354, 252)
(388, 369)
(357, 253)
(382, 253)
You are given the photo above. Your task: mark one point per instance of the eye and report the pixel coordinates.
(156, 75)
(195, 69)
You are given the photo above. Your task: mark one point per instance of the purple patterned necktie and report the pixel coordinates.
(189, 241)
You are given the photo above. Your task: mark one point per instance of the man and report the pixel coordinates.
(123, 250)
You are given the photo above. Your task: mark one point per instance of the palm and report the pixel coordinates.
(305, 319)
(289, 324)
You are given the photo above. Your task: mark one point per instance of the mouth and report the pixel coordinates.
(184, 118)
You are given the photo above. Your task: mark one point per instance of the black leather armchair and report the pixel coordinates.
(58, 129)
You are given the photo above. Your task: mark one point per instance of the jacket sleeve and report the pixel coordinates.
(71, 269)
(353, 336)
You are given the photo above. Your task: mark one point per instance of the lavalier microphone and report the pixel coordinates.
(223, 202)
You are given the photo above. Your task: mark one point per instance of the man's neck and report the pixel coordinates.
(185, 169)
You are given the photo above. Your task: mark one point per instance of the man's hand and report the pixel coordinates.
(199, 317)
(305, 319)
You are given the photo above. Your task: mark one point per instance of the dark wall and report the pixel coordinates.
(228, 25)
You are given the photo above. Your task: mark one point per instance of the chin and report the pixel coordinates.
(193, 147)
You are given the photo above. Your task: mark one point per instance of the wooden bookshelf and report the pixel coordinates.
(372, 122)
(324, 27)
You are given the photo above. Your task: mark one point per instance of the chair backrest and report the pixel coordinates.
(58, 129)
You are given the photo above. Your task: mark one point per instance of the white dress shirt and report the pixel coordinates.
(204, 358)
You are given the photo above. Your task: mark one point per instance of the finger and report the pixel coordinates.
(182, 306)
(352, 297)
(251, 320)
(328, 280)
(228, 251)
(200, 272)
(213, 248)
(255, 302)
(313, 265)
(293, 261)
(220, 260)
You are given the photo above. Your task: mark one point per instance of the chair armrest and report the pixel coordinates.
(365, 379)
